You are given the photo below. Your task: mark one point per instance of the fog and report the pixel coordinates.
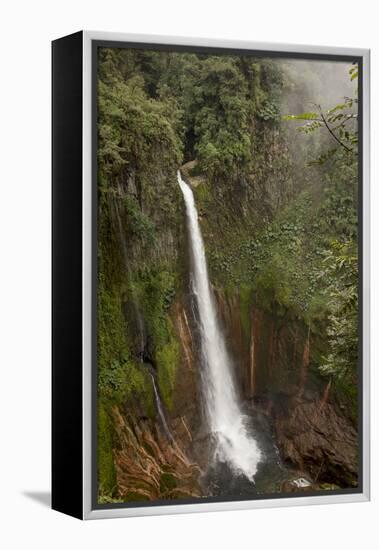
(309, 82)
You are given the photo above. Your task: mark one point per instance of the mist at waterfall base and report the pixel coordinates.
(237, 455)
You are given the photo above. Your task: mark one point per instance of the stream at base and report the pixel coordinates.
(222, 480)
(237, 447)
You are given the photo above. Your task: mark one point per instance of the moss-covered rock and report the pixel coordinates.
(106, 467)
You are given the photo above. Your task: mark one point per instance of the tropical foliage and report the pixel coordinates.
(279, 231)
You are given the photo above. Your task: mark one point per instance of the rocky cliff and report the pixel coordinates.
(265, 234)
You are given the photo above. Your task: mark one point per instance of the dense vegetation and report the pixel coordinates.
(279, 231)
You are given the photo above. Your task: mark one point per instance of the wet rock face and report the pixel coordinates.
(302, 484)
(187, 401)
(296, 484)
(314, 437)
(272, 360)
(148, 465)
(273, 363)
(271, 351)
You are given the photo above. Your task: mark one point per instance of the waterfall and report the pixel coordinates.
(160, 410)
(233, 444)
(252, 363)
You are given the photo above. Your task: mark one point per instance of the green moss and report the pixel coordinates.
(263, 236)
(148, 448)
(328, 487)
(105, 498)
(133, 496)
(106, 468)
(167, 361)
(155, 291)
(112, 345)
(148, 396)
(139, 225)
(167, 482)
(203, 194)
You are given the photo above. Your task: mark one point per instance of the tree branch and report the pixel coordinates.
(333, 134)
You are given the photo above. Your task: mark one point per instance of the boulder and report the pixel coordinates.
(314, 437)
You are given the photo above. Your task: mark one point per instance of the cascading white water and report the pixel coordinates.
(227, 423)
(160, 410)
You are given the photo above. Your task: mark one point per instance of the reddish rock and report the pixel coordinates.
(314, 438)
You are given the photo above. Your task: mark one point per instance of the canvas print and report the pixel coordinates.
(227, 284)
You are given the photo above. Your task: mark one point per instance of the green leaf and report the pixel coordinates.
(303, 116)
(338, 107)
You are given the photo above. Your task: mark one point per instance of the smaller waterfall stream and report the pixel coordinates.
(140, 325)
(160, 410)
(234, 445)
